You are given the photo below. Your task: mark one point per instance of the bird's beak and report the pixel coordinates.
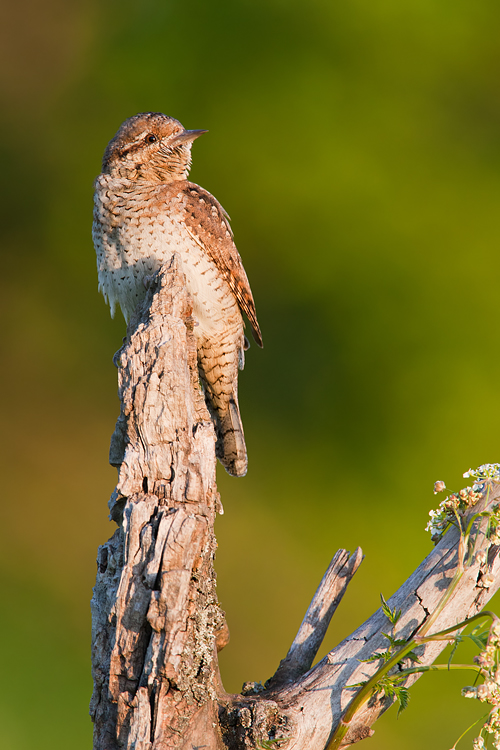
(187, 136)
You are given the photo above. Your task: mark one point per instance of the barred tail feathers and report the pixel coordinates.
(230, 447)
(220, 356)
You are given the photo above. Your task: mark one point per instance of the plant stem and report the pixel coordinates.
(438, 667)
(418, 639)
(481, 718)
(365, 693)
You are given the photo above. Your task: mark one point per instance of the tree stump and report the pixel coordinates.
(157, 624)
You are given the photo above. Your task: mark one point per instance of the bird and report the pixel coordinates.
(145, 210)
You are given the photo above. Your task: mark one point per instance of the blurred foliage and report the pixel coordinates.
(356, 147)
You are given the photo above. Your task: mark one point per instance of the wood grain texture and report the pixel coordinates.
(313, 628)
(322, 691)
(155, 611)
(156, 620)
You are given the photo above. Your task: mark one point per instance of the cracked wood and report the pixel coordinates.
(156, 620)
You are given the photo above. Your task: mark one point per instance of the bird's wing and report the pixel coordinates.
(208, 224)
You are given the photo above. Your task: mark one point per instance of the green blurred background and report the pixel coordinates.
(356, 147)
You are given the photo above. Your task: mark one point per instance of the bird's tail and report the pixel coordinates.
(230, 447)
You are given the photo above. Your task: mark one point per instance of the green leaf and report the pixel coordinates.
(452, 652)
(385, 608)
(478, 640)
(392, 615)
(373, 657)
(357, 684)
(389, 690)
(413, 657)
(400, 642)
(403, 698)
(395, 641)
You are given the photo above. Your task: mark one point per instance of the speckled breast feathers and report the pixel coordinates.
(144, 211)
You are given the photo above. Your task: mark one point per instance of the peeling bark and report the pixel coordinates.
(157, 624)
(155, 612)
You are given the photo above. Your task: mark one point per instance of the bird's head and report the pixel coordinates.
(150, 147)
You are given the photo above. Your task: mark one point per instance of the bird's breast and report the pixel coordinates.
(135, 234)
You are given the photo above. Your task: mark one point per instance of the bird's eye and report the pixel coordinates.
(151, 138)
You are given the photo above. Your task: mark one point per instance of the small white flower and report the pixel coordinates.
(469, 692)
(484, 472)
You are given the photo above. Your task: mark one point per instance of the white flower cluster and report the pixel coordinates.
(455, 504)
(484, 473)
(487, 474)
(489, 691)
(438, 523)
(459, 502)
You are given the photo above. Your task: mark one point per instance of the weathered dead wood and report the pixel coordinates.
(322, 692)
(156, 620)
(155, 612)
(313, 629)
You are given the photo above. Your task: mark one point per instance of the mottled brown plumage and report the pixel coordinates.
(207, 221)
(145, 210)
